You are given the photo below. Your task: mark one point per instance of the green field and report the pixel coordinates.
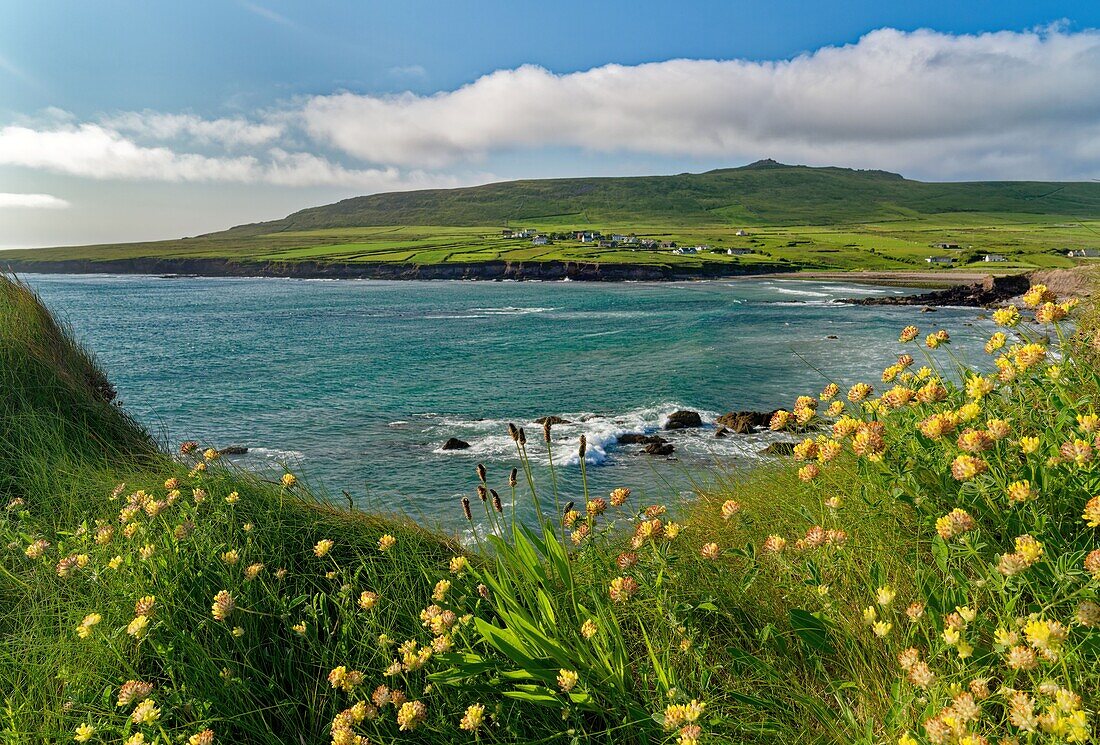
(796, 218)
(1027, 241)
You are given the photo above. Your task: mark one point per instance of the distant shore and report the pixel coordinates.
(902, 278)
(486, 271)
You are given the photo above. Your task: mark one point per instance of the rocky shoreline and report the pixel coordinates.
(991, 291)
(488, 270)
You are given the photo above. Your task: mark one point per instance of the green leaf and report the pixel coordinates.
(811, 630)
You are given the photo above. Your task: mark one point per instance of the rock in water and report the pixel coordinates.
(721, 432)
(233, 450)
(455, 444)
(552, 420)
(633, 438)
(744, 422)
(683, 420)
(656, 448)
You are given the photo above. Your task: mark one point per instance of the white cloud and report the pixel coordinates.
(408, 71)
(230, 132)
(995, 103)
(268, 13)
(95, 151)
(32, 201)
(928, 104)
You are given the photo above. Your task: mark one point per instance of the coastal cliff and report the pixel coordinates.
(488, 270)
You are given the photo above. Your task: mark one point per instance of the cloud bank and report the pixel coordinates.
(32, 201)
(1004, 104)
(985, 102)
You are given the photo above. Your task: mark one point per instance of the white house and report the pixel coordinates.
(945, 245)
(540, 240)
(1083, 253)
(741, 233)
(994, 257)
(738, 251)
(940, 260)
(685, 250)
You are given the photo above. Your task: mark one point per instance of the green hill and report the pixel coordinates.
(764, 193)
(787, 217)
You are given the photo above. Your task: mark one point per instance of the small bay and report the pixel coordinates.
(355, 385)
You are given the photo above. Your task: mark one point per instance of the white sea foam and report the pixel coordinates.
(276, 454)
(489, 438)
(804, 293)
(511, 310)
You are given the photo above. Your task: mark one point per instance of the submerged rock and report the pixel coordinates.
(455, 444)
(659, 448)
(233, 450)
(684, 420)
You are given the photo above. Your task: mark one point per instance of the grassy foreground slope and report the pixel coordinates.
(795, 217)
(927, 574)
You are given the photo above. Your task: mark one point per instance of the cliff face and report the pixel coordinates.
(490, 270)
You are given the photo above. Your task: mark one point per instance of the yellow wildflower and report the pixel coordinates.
(1007, 317)
(139, 627)
(84, 630)
(1091, 515)
(473, 718)
(567, 680)
(146, 712)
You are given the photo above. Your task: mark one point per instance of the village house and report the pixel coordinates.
(741, 233)
(940, 260)
(738, 251)
(685, 250)
(945, 245)
(607, 244)
(668, 244)
(587, 236)
(994, 257)
(1083, 253)
(507, 233)
(540, 240)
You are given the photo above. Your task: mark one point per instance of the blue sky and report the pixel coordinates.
(134, 120)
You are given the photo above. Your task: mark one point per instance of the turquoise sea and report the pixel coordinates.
(355, 385)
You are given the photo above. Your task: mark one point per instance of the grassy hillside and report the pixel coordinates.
(762, 194)
(927, 573)
(795, 216)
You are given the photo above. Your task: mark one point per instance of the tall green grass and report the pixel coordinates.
(781, 606)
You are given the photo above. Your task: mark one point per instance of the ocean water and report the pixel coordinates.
(355, 385)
